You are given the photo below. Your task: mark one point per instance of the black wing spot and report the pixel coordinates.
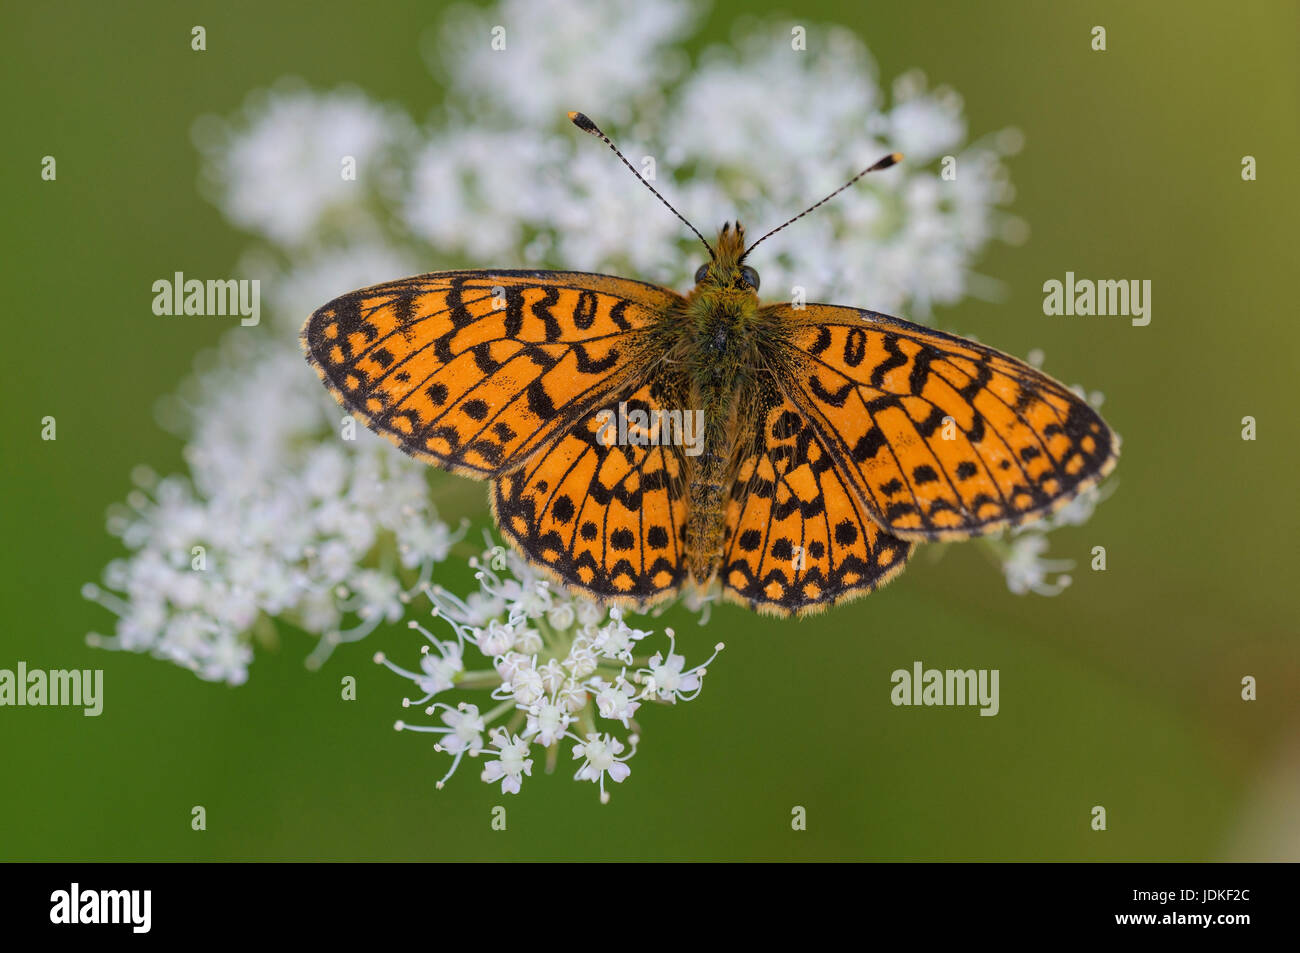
(563, 509)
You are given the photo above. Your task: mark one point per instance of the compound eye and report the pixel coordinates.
(749, 276)
(701, 273)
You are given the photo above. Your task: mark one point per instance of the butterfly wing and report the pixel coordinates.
(941, 437)
(798, 537)
(604, 517)
(474, 371)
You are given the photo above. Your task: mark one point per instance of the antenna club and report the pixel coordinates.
(582, 122)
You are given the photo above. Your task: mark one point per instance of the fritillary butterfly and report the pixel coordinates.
(833, 438)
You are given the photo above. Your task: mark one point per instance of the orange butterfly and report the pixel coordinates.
(829, 439)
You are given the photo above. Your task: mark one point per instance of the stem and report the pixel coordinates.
(482, 678)
(587, 719)
(499, 710)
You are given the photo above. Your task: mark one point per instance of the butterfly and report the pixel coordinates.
(790, 455)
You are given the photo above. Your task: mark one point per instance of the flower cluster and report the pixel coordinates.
(290, 511)
(558, 668)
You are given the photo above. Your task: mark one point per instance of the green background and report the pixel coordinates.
(1123, 692)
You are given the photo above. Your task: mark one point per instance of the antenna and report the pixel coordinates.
(884, 163)
(586, 125)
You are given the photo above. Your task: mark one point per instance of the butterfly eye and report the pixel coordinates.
(701, 273)
(749, 276)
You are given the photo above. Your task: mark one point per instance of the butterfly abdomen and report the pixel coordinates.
(709, 479)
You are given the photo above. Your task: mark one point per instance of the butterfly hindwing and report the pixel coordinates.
(798, 538)
(603, 516)
(474, 371)
(941, 437)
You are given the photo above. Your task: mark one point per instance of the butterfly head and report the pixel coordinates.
(727, 270)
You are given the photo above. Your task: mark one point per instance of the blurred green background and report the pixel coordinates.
(1123, 692)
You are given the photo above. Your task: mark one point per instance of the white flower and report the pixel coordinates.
(582, 660)
(1027, 571)
(529, 641)
(573, 696)
(1080, 509)
(554, 675)
(512, 764)
(465, 729)
(525, 685)
(440, 671)
(617, 639)
(377, 596)
(562, 617)
(615, 700)
(226, 660)
(463, 733)
(547, 721)
(533, 602)
(589, 613)
(600, 754)
(668, 679)
(497, 639)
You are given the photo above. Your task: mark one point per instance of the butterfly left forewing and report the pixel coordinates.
(475, 371)
(942, 438)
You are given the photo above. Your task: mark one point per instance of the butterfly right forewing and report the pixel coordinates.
(942, 437)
